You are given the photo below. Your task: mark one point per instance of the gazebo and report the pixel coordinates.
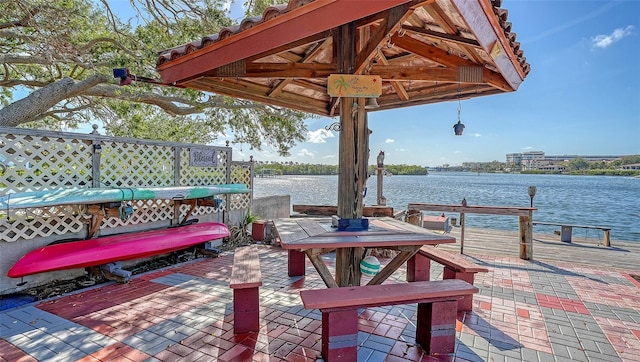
(389, 53)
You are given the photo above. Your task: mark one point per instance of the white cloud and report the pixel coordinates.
(319, 135)
(305, 153)
(389, 140)
(604, 41)
(477, 135)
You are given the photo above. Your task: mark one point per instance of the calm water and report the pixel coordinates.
(584, 200)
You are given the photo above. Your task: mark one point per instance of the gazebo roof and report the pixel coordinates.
(424, 51)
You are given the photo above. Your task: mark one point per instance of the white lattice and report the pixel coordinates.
(203, 176)
(32, 223)
(241, 173)
(132, 164)
(144, 211)
(40, 162)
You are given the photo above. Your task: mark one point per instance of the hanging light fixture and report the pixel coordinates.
(458, 127)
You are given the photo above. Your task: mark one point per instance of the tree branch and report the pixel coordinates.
(22, 22)
(32, 106)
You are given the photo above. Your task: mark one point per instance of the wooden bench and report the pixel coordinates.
(566, 231)
(436, 321)
(455, 267)
(246, 279)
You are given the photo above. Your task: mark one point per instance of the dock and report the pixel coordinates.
(480, 241)
(572, 302)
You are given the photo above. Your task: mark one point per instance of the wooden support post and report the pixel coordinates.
(465, 304)
(340, 335)
(418, 268)
(246, 310)
(296, 263)
(526, 236)
(435, 332)
(462, 233)
(607, 238)
(381, 200)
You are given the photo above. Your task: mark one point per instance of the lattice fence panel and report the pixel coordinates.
(133, 164)
(203, 176)
(200, 210)
(144, 211)
(41, 162)
(241, 173)
(41, 222)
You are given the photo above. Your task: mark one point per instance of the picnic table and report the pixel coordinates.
(313, 237)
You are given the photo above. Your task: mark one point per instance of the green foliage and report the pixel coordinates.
(48, 41)
(578, 163)
(291, 168)
(401, 170)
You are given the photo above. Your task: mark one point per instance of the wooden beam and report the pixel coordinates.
(308, 58)
(403, 73)
(328, 210)
(392, 20)
(400, 91)
(449, 60)
(286, 70)
(491, 210)
(313, 18)
(314, 38)
(258, 93)
(450, 38)
(449, 27)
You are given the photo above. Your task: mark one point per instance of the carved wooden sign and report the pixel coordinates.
(349, 85)
(203, 157)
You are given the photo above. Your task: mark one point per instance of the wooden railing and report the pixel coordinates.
(524, 214)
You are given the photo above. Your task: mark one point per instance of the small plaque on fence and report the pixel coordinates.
(203, 157)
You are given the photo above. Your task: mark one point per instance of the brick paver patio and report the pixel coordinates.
(525, 311)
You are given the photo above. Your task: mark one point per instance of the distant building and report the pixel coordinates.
(514, 158)
(537, 160)
(634, 166)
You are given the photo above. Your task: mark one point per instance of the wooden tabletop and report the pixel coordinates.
(311, 233)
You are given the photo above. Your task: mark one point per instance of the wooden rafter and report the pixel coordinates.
(449, 27)
(402, 93)
(442, 36)
(446, 59)
(391, 23)
(278, 88)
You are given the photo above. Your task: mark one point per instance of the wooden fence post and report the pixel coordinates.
(526, 236)
(462, 233)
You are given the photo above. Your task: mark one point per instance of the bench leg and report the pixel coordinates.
(246, 310)
(340, 335)
(436, 327)
(418, 268)
(465, 304)
(296, 263)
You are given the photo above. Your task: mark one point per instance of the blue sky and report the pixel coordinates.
(582, 97)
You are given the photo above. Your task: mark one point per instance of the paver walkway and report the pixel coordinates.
(525, 311)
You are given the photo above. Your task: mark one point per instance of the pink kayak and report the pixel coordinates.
(91, 252)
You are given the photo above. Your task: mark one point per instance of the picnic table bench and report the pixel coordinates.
(436, 321)
(246, 279)
(455, 267)
(566, 231)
